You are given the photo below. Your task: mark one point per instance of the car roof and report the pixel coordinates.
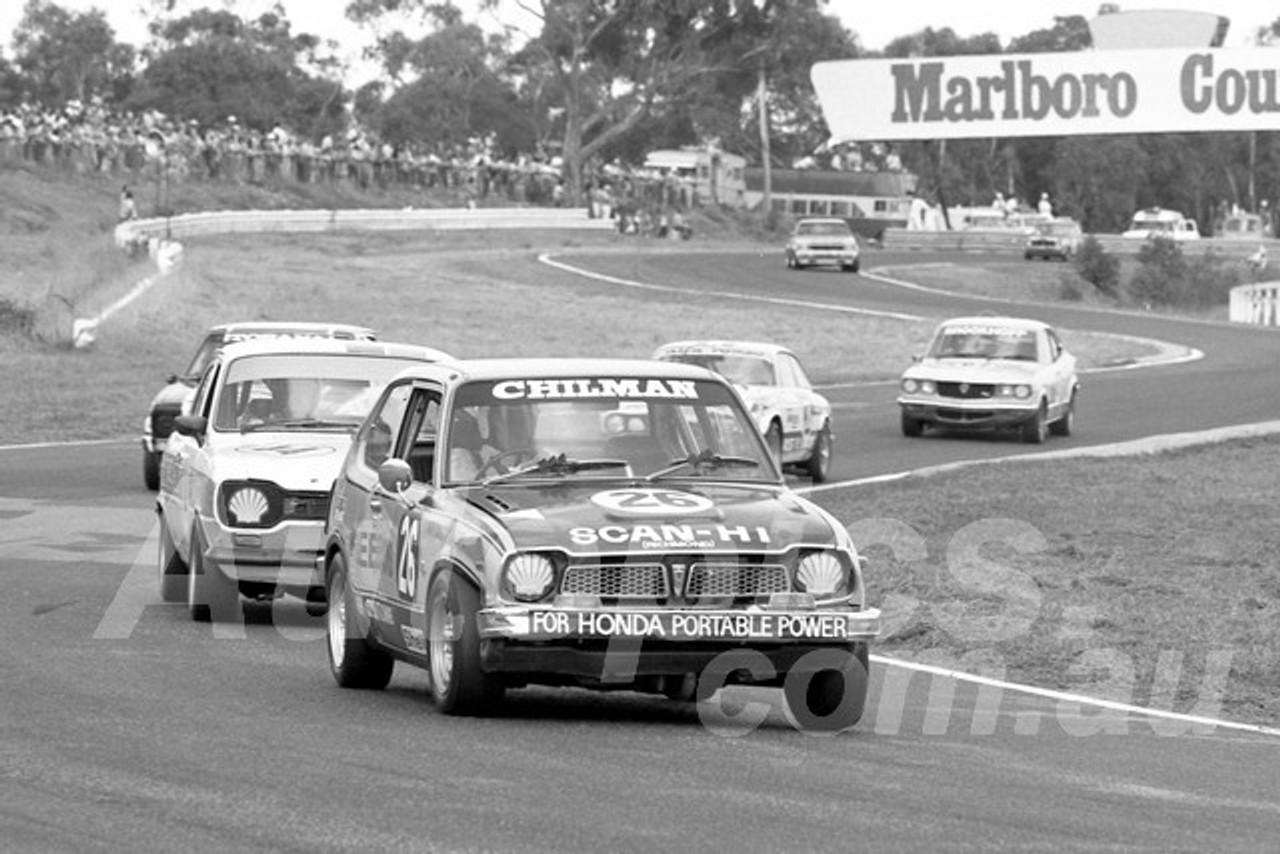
(992, 320)
(329, 346)
(820, 219)
(722, 347)
(274, 327)
(465, 370)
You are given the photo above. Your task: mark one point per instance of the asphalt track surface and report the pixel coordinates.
(128, 728)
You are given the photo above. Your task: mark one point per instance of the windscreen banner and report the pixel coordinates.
(1050, 94)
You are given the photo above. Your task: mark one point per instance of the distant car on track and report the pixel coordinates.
(1057, 238)
(167, 404)
(990, 373)
(510, 521)
(794, 419)
(823, 240)
(246, 475)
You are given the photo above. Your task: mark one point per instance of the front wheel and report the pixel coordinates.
(459, 685)
(911, 426)
(151, 469)
(1065, 424)
(353, 661)
(210, 596)
(1036, 430)
(819, 462)
(173, 570)
(829, 693)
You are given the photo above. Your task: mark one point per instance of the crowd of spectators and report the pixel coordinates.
(149, 146)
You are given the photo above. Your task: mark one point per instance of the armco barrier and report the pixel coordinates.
(1258, 304)
(996, 240)
(409, 219)
(162, 235)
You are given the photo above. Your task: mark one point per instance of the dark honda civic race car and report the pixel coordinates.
(606, 524)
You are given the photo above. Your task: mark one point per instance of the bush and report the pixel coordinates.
(1098, 267)
(1161, 275)
(1165, 277)
(15, 318)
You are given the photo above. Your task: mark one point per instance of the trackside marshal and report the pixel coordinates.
(1050, 94)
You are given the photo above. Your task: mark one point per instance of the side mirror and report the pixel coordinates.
(394, 475)
(917, 357)
(191, 425)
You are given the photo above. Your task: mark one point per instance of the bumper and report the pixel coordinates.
(825, 256)
(621, 644)
(579, 642)
(969, 414)
(287, 555)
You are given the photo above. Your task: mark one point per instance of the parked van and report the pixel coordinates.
(1161, 222)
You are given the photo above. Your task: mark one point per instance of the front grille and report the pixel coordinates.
(967, 391)
(617, 581)
(162, 419)
(959, 415)
(735, 579)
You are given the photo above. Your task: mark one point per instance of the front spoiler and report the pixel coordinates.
(968, 413)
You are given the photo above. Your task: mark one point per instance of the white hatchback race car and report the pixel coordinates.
(991, 373)
(794, 419)
(246, 475)
(823, 240)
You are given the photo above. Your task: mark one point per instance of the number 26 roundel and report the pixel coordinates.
(407, 558)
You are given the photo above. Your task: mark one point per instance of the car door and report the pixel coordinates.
(1060, 371)
(793, 396)
(364, 509)
(816, 409)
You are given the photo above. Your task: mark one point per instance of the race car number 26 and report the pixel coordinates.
(407, 563)
(652, 502)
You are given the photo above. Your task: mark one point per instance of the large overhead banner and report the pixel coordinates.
(1050, 94)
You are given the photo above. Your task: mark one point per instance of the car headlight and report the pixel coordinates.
(529, 577)
(822, 575)
(248, 505)
(913, 386)
(1022, 392)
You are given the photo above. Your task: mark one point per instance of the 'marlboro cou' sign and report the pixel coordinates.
(1050, 94)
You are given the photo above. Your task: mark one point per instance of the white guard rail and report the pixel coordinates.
(1258, 304)
(409, 219)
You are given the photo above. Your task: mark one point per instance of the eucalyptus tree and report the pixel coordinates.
(61, 55)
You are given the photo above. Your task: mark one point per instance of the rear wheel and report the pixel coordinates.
(173, 570)
(210, 596)
(459, 685)
(353, 661)
(819, 462)
(832, 695)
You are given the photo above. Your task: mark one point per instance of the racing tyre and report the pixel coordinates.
(819, 463)
(831, 696)
(1036, 430)
(459, 685)
(210, 596)
(173, 570)
(1064, 425)
(151, 470)
(911, 427)
(353, 661)
(851, 268)
(773, 439)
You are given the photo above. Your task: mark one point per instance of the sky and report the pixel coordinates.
(876, 23)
